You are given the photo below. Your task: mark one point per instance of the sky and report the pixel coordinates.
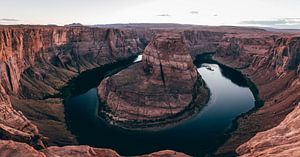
(265, 13)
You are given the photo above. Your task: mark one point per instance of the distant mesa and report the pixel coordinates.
(74, 25)
(162, 89)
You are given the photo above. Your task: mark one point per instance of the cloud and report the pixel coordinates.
(194, 12)
(273, 22)
(8, 20)
(164, 15)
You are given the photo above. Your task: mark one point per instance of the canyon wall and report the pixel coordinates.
(274, 69)
(37, 61)
(202, 41)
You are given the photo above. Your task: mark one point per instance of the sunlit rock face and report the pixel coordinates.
(157, 90)
(283, 140)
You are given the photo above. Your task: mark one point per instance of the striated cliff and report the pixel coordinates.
(36, 61)
(29, 50)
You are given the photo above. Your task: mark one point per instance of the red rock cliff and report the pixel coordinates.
(273, 67)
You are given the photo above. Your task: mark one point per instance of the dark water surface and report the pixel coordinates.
(230, 97)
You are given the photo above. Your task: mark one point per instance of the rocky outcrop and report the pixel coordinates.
(78, 151)
(282, 140)
(148, 94)
(14, 125)
(16, 149)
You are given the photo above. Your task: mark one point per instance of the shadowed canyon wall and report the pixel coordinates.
(37, 61)
(274, 68)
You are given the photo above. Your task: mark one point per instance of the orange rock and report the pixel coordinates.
(282, 140)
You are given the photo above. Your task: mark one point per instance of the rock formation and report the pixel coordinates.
(149, 93)
(14, 125)
(282, 140)
(16, 149)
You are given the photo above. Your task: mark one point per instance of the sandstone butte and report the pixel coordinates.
(37, 61)
(163, 88)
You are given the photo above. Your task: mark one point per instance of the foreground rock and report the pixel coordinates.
(15, 126)
(17, 149)
(283, 140)
(157, 91)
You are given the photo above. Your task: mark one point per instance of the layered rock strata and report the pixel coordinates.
(150, 93)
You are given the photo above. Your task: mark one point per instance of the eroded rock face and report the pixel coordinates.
(282, 140)
(286, 54)
(149, 93)
(167, 62)
(14, 125)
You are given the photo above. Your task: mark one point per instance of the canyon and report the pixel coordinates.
(38, 61)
